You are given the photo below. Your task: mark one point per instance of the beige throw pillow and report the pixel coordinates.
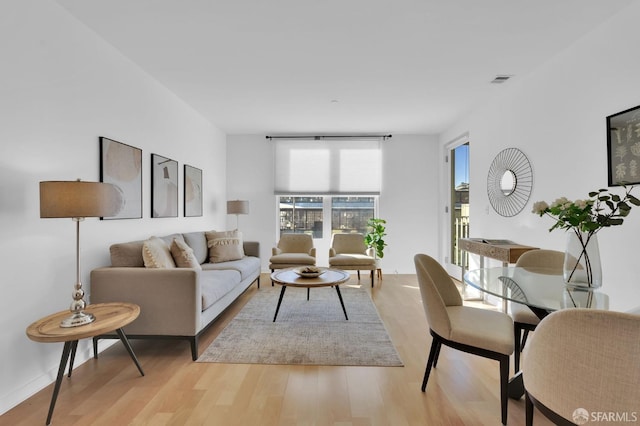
(183, 255)
(224, 246)
(156, 254)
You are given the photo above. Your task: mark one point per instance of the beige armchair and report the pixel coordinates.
(293, 250)
(583, 362)
(349, 252)
(477, 331)
(524, 320)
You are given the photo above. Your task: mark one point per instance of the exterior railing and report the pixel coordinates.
(460, 230)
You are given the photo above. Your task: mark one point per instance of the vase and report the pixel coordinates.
(582, 269)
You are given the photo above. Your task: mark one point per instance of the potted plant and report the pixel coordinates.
(375, 237)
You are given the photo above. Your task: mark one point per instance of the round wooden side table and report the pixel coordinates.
(109, 317)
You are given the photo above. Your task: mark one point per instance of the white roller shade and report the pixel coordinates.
(321, 167)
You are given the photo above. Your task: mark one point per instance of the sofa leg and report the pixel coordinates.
(194, 348)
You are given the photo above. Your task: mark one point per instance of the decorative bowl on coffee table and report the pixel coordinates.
(309, 272)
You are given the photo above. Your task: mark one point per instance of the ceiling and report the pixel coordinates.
(339, 66)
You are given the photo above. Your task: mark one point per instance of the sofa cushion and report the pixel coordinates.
(224, 246)
(128, 255)
(215, 284)
(169, 238)
(245, 266)
(183, 255)
(156, 254)
(198, 242)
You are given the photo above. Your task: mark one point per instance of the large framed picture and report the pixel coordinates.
(623, 147)
(164, 186)
(192, 191)
(121, 165)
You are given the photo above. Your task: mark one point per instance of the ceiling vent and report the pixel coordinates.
(501, 79)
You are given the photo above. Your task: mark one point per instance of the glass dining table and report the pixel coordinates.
(541, 289)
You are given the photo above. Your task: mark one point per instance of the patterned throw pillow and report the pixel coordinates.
(224, 246)
(156, 254)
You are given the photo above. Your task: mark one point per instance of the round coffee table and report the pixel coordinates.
(289, 278)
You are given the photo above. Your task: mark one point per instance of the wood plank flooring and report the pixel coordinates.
(463, 390)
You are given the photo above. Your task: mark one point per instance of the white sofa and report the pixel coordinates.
(175, 303)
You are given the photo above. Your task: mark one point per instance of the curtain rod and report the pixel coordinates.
(321, 137)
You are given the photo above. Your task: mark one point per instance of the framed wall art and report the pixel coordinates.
(164, 186)
(121, 165)
(192, 191)
(623, 147)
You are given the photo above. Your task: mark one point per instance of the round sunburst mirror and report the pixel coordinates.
(509, 182)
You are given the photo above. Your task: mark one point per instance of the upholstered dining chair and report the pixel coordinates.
(581, 362)
(293, 250)
(524, 320)
(474, 330)
(348, 251)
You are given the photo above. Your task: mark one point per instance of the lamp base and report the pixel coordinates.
(76, 319)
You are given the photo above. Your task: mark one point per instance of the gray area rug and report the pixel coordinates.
(312, 332)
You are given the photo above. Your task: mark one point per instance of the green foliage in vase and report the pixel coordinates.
(375, 236)
(601, 210)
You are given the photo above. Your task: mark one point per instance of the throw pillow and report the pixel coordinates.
(183, 255)
(224, 246)
(156, 254)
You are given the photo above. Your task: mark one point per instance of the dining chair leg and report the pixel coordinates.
(528, 404)
(432, 354)
(517, 333)
(372, 279)
(504, 386)
(435, 360)
(358, 274)
(524, 339)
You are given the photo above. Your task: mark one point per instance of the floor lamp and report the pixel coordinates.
(237, 207)
(77, 200)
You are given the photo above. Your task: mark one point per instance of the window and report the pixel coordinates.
(344, 214)
(301, 215)
(350, 214)
(325, 186)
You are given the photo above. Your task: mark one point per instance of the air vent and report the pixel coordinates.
(501, 79)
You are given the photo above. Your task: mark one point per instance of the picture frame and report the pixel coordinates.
(192, 191)
(121, 165)
(623, 147)
(164, 187)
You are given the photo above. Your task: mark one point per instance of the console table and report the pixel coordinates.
(505, 251)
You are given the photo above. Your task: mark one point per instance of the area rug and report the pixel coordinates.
(312, 332)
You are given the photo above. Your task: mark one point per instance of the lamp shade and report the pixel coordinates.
(238, 207)
(79, 199)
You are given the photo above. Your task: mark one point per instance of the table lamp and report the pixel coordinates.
(77, 200)
(237, 207)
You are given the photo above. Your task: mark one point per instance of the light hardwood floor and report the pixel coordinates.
(463, 390)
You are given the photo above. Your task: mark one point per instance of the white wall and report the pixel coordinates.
(556, 116)
(409, 191)
(61, 87)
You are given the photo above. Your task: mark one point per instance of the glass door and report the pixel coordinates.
(458, 206)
